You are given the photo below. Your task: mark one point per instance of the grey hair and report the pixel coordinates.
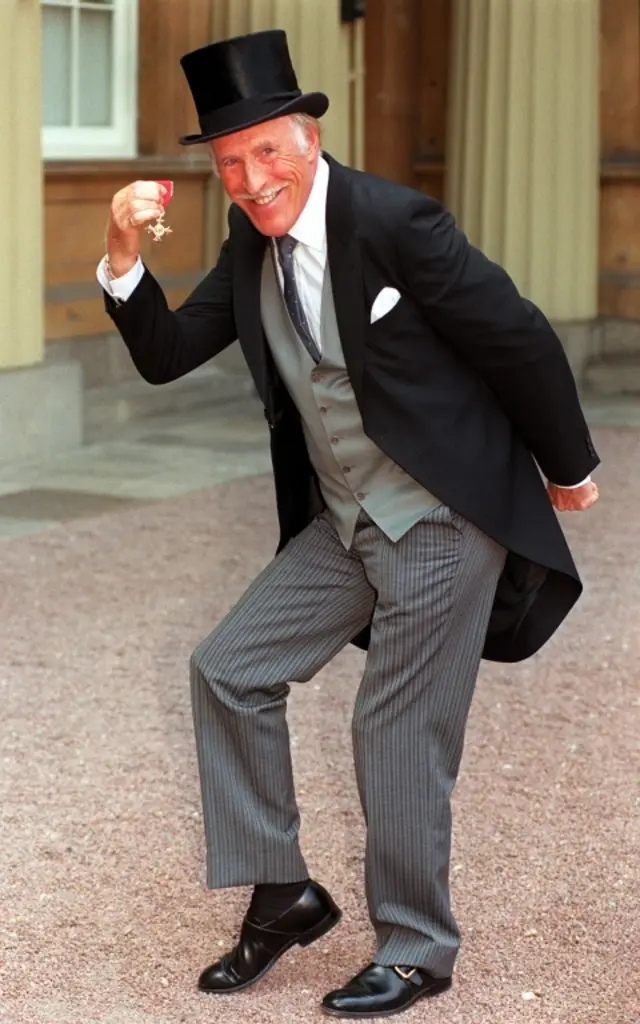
(301, 125)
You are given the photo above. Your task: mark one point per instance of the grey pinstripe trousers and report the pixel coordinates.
(430, 596)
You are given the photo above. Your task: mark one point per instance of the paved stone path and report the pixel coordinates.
(105, 918)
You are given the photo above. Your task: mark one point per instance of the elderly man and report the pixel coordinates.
(411, 395)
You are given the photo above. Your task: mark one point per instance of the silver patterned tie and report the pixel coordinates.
(286, 246)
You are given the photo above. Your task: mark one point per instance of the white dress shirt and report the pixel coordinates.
(309, 260)
(310, 254)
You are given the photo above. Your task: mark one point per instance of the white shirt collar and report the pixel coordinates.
(310, 228)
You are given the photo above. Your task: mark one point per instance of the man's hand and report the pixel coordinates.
(573, 499)
(131, 209)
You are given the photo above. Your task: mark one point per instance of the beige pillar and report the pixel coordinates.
(21, 194)
(523, 144)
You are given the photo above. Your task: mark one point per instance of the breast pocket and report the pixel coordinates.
(385, 302)
(402, 321)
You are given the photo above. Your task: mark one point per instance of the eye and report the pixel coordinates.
(229, 162)
(268, 151)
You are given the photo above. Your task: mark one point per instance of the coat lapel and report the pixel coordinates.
(247, 277)
(344, 263)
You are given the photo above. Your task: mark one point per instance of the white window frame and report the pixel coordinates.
(120, 139)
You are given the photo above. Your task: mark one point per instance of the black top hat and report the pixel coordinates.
(244, 81)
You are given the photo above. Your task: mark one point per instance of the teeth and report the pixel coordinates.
(268, 198)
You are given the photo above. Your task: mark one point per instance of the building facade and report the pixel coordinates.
(492, 105)
(524, 117)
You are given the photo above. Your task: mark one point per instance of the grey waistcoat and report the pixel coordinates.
(352, 471)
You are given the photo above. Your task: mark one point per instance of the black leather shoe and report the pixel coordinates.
(260, 946)
(382, 991)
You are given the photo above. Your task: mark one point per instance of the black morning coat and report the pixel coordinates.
(464, 384)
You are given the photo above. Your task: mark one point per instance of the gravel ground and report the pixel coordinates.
(105, 917)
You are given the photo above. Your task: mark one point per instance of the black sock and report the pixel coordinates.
(271, 901)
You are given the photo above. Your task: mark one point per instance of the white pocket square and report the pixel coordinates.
(384, 303)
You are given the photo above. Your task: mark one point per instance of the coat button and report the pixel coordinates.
(323, 409)
(361, 495)
(334, 439)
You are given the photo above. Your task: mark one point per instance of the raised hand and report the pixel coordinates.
(132, 208)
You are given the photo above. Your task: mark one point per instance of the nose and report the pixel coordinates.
(254, 178)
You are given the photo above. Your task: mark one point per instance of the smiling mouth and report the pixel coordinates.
(269, 197)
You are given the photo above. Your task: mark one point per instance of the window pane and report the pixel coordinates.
(95, 68)
(56, 66)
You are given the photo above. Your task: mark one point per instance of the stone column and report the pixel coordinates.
(523, 145)
(21, 198)
(41, 407)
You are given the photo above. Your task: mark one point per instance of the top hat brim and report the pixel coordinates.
(248, 113)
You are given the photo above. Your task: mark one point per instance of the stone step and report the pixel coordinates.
(618, 337)
(110, 409)
(613, 375)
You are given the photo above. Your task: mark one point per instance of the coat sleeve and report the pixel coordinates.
(474, 305)
(164, 345)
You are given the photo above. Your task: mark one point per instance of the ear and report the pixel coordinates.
(313, 135)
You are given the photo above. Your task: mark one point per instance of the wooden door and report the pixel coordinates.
(407, 67)
(620, 166)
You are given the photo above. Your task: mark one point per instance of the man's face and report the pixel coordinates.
(264, 171)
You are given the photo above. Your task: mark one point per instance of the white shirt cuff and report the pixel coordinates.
(120, 288)
(571, 487)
